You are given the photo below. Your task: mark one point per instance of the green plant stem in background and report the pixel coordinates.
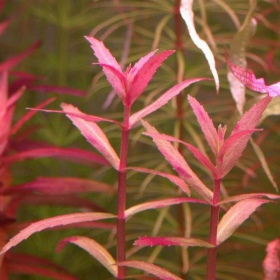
(212, 252)
(121, 248)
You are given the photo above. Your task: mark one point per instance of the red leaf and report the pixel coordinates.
(171, 241)
(179, 164)
(3, 25)
(159, 204)
(206, 124)
(94, 135)
(53, 222)
(248, 78)
(161, 101)
(145, 74)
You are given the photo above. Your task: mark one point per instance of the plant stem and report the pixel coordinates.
(121, 240)
(212, 252)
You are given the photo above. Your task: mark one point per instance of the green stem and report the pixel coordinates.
(121, 239)
(212, 252)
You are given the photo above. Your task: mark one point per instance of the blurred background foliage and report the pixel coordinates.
(131, 29)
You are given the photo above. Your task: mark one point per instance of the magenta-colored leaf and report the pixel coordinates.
(252, 117)
(29, 115)
(74, 154)
(159, 272)
(26, 264)
(3, 91)
(94, 135)
(4, 24)
(232, 150)
(271, 263)
(13, 61)
(93, 248)
(116, 79)
(106, 58)
(172, 178)
(57, 89)
(248, 78)
(170, 241)
(145, 74)
(249, 195)
(53, 222)
(159, 204)
(161, 101)
(236, 215)
(206, 124)
(60, 185)
(203, 159)
(179, 164)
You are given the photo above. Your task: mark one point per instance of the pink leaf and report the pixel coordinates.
(252, 117)
(249, 195)
(159, 204)
(151, 269)
(3, 91)
(93, 248)
(13, 61)
(172, 178)
(171, 241)
(271, 263)
(248, 78)
(232, 150)
(145, 74)
(53, 222)
(94, 135)
(74, 154)
(206, 124)
(3, 25)
(25, 264)
(60, 185)
(161, 101)
(179, 164)
(188, 16)
(106, 58)
(235, 216)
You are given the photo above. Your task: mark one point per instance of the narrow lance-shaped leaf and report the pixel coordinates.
(161, 101)
(235, 216)
(94, 135)
(145, 74)
(179, 164)
(93, 248)
(188, 16)
(159, 204)
(171, 241)
(61, 220)
(205, 123)
(159, 272)
(105, 57)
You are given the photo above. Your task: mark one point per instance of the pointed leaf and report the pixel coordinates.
(161, 101)
(145, 74)
(179, 164)
(235, 216)
(172, 178)
(105, 57)
(93, 248)
(159, 272)
(170, 241)
(4, 24)
(53, 222)
(206, 124)
(60, 185)
(94, 135)
(248, 78)
(188, 16)
(159, 204)
(249, 195)
(232, 150)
